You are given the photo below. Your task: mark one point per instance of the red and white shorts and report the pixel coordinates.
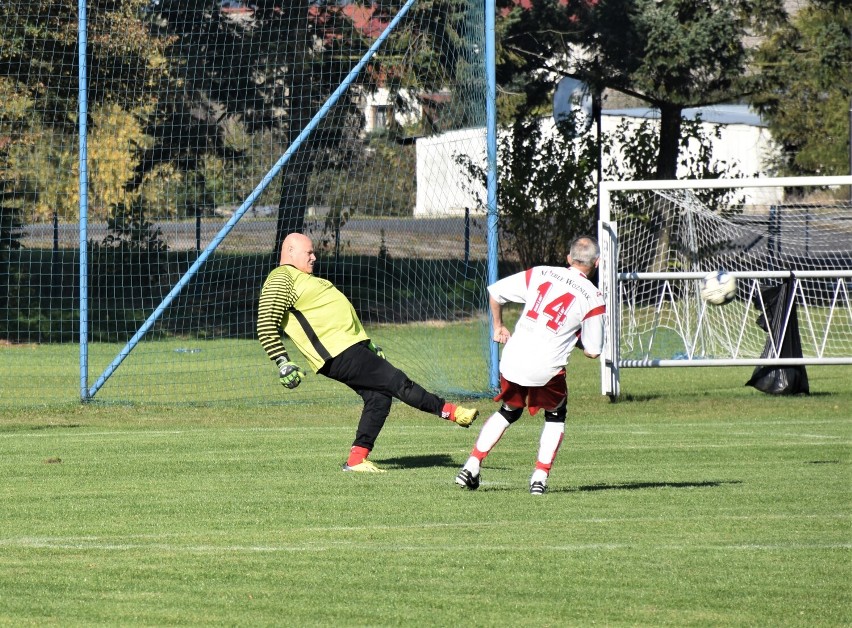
(550, 396)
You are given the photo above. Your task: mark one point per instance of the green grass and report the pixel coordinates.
(444, 358)
(695, 501)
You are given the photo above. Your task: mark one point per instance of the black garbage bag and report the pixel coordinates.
(781, 380)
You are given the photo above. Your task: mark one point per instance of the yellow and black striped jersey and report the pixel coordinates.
(315, 315)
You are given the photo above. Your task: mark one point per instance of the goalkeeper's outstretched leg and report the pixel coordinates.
(324, 326)
(377, 381)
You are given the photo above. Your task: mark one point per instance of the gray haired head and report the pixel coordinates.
(585, 251)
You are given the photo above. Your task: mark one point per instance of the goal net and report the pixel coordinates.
(147, 186)
(660, 238)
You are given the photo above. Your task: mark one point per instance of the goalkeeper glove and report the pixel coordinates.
(377, 350)
(289, 374)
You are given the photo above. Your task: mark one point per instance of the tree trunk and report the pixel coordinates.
(293, 201)
(670, 123)
(292, 205)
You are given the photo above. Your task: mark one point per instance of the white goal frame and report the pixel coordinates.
(680, 285)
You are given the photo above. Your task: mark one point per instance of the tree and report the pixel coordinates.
(805, 89)
(12, 194)
(438, 48)
(39, 60)
(545, 206)
(39, 48)
(270, 71)
(10, 234)
(546, 193)
(672, 54)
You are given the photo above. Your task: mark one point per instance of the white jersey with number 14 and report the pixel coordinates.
(560, 306)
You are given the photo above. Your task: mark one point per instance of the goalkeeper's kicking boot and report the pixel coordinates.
(537, 488)
(462, 417)
(467, 480)
(365, 466)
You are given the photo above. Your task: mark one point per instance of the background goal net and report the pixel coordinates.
(206, 132)
(659, 238)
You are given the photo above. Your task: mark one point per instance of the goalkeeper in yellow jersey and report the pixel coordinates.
(323, 325)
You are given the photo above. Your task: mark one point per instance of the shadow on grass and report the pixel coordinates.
(53, 426)
(627, 486)
(627, 398)
(9, 429)
(417, 462)
(635, 486)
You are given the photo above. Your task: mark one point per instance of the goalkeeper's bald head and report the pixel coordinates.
(297, 250)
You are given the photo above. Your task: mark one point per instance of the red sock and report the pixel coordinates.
(448, 411)
(357, 455)
(479, 455)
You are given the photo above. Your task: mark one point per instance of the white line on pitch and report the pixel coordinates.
(504, 523)
(392, 547)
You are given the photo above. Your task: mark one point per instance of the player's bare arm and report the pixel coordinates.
(501, 333)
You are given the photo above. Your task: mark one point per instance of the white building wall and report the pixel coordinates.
(443, 188)
(442, 185)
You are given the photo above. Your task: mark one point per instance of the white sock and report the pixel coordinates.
(491, 432)
(472, 465)
(539, 475)
(551, 438)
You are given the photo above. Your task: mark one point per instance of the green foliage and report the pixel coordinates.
(45, 163)
(15, 191)
(39, 42)
(39, 89)
(546, 192)
(692, 52)
(131, 231)
(11, 223)
(639, 144)
(289, 64)
(127, 271)
(127, 282)
(672, 54)
(532, 46)
(804, 90)
(546, 198)
(378, 181)
(329, 241)
(202, 129)
(437, 49)
(41, 304)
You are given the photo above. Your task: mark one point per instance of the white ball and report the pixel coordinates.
(719, 287)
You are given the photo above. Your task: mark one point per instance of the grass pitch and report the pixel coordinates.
(695, 501)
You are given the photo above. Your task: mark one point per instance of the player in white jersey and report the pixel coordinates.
(561, 305)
